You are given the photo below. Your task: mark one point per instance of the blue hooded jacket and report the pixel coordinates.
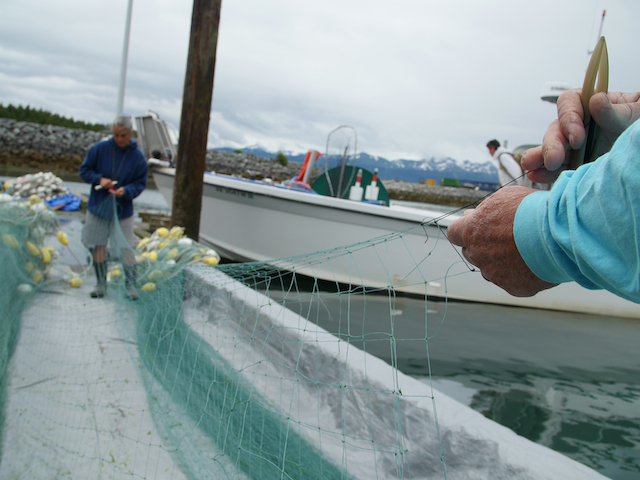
(126, 165)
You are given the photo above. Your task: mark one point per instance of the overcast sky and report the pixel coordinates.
(416, 78)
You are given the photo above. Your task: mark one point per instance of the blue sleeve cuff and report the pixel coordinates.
(533, 240)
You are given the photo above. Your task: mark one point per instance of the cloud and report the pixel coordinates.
(415, 78)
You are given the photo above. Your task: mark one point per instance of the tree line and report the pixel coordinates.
(44, 117)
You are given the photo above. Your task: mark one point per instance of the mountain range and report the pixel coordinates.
(414, 171)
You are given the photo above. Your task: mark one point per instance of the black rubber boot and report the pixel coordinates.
(130, 292)
(101, 276)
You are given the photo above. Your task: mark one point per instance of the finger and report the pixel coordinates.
(455, 231)
(619, 97)
(542, 175)
(563, 134)
(611, 117)
(533, 164)
(532, 159)
(554, 146)
(571, 117)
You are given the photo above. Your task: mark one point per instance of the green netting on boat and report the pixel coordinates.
(231, 371)
(232, 415)
(205, 368)
(25, 262)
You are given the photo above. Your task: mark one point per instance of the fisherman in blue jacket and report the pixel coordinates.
(113, 167)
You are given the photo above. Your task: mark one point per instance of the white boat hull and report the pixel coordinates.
(252, 221)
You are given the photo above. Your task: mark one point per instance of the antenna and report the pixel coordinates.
(604, 12)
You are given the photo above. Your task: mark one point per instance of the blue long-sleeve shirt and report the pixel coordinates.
(126, 165)
(587, 228)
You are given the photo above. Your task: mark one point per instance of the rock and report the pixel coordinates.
(250, 166)
(31, 146)
(414, 192)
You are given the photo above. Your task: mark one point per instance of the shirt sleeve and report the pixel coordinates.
(587, 228)
(88, 169)
(139, 181)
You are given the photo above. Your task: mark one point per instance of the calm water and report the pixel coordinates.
(568, 381)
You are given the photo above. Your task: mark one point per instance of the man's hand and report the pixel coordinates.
(613, 113)
(117, 192)
(106, 183)
(486, 237)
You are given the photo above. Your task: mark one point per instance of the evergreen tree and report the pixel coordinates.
(44, 117)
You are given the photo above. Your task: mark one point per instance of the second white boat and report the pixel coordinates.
(359, 243)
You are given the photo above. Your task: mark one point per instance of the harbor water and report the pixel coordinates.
(568, 381)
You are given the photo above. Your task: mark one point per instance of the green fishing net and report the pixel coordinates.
(230, 371)
(216, 371)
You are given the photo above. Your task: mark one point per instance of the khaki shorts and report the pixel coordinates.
(96, 231)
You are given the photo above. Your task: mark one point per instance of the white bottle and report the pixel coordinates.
(373, 190)
(355, 192)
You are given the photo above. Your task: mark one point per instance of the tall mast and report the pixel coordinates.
(123, 61)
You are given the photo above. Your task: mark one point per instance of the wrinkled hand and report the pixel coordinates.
(613, 113)
(486, 237)
(117, 192)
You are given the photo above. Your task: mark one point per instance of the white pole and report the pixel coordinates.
(123, 63)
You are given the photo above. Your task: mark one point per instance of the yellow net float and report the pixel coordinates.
(32, 249)
(155, 275)
(143, 242)
(210, 260)
(63, 238)
(175, 233)
(113, 273)
(150, 255)
(37, 276)
(46, 255)
(10, 240)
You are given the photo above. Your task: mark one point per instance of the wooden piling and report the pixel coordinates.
(194, 122)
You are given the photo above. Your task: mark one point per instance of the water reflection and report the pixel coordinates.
(595, 423)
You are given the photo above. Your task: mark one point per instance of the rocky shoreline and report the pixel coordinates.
(31, 148)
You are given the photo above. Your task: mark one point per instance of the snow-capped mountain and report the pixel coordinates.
(407, 170)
